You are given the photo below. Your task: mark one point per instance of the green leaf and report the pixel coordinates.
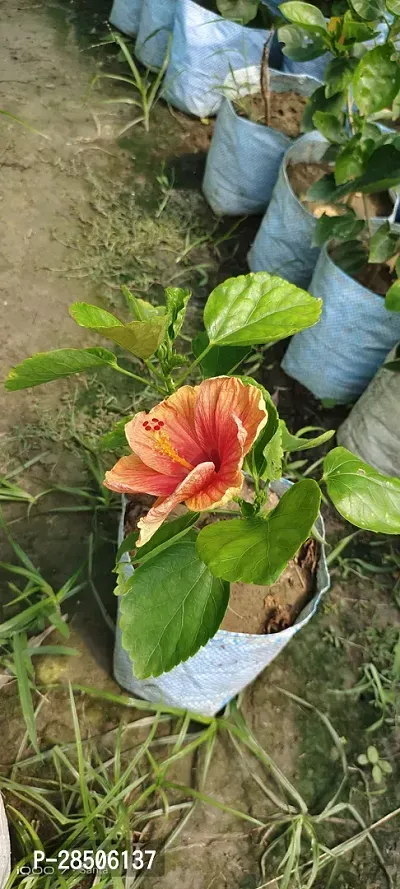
(370, 10)
(377, 774)
(382, 171)
(338, 75)
(363, 496)
(21, 663)
(362, 759)
(128, 544)
(392, 303)
(140, 308)
(164, 535)
(258, 308)
(256, 550)
(376, 80)
(167, 534)
(172, 607)
(265, 459)
(46, 366)
(322, 190)
(273, 457)
(176, 299)
(297, 442)
(372, 754)
(141, 338)
(351, 160)
(330, 126)
(299, 45)
(303, 14)
(115, 439)
(383, 244)
(355, 31)
(343, 227)
(319, 102)
(386, 768)
(220, 360)
(393, 6)
(242, 11)
(349, 256)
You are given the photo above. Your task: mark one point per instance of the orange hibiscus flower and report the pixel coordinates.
(190, 448)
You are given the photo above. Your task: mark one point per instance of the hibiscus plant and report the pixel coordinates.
(357, 92)
(209, 425)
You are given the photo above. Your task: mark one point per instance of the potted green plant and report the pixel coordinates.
(260, 117)
(346, 174)
(212, 544)
(372, 429)
(309, 35)
(209, 40)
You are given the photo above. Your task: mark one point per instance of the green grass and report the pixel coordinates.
(73, 796)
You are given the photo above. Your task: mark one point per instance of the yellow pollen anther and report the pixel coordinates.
(164, 446)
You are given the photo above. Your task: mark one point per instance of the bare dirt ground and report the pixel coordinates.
(78, 219)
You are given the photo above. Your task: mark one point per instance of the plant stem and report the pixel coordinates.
(142, 380)
(352, 127)
(265, 77)
(193, 365)
(152, 369)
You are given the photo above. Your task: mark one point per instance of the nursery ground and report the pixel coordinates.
(84, 212)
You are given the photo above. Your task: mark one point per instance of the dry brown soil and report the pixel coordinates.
(285, 111)
(303, 175)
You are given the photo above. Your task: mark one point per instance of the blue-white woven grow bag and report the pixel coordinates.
(338, 357)
(244, 157)
(283, 244)
(226, 664)
(125, 15)
(204, 49)
(155, 31)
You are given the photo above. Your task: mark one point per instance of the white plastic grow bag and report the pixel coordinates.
(372, 429)
(204, 49)
(5, 849)
(283, 244)
(338, 357)
(226, 664)
(155, 30)
(244, 157)
(125, 15)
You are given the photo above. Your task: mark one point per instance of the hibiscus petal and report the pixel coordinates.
(220, 490)
(220, 398)
(175, 417)
(131, 476)
(192, 484)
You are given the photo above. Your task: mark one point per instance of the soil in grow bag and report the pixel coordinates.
(377, 277)
(253, 608)
(303, 175)
(284, 111)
